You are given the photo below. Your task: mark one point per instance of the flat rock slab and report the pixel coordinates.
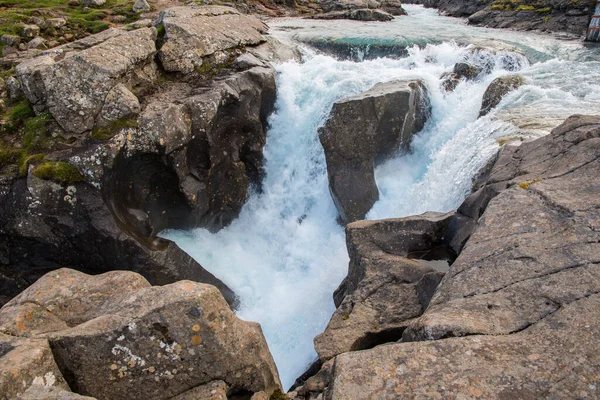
(557, 358)
(537, 246)
(193, 33)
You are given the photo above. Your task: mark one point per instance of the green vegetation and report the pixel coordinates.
(20, 112)
(59, 172)
(81, 21)
(115, 127)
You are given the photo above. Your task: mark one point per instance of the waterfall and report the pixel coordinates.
(285, 255)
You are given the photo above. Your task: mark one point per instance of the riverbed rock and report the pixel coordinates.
(364, 130)
(75, 89)
(497, 90)
(195, 34)
(361, 14)
(122, 338)
(27, 363)
(460, 71)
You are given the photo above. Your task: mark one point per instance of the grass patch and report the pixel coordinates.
(59, 172)
(278, 395)
(36, 133)
(9, 157)
(25, 160)
(20, 112)
(81, 21)
(114, 128)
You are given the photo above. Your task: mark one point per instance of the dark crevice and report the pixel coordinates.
(372, 339)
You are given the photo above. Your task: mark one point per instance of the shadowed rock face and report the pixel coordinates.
(116, 337)
(516, 315)
(497, 90)
(363, 130)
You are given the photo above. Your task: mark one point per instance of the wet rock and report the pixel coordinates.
(535, 249)
(74, 89)
(460, 71)
(148, 342)
(362, 131)
(193, 34)
(358, 15)
(26, 364)
(141, 6)
(498, 89)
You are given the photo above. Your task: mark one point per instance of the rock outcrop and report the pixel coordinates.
(393, 7)
(460, 71)
(358, 15)
(516, 314)
(379, 271)
(497, 90)
(196, 36)
(115, 337)
(194, 141)
(363, 130)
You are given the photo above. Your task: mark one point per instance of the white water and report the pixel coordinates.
(285, 255)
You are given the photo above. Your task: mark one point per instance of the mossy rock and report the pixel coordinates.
(59, 172)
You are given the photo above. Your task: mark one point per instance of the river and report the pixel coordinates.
(285, 255)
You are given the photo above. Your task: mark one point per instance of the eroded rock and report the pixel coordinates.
(358, 15)
(362, 131)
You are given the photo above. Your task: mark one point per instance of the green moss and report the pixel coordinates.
(278, 395)
(36, 133)
(543, 10)
(20, 112)
(9, 157)
(26, 160)
(58, 171)
(113, 129)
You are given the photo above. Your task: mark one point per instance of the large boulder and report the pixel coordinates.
(362, 131)
(195, 36)
(393, 7)
(76, 88)
(27, 364)
(121, 338)
(379, 270)
(497, 90)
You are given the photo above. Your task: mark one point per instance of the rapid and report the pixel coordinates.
(285, 254)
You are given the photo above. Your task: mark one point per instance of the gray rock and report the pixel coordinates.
(148, 342)
(497, 90)
(74, 89)
(192, 34)
(56, 22)
(26, 363)
(10, 40)
(93, 3)
(274, 51)
(30, 31)
(362, 131)
(141, 6)
(119, 104)
(37, 43)
(15, 91)
(393, 7)
(460, 71)
(535, 249)
(358, 15)
(247, 60)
